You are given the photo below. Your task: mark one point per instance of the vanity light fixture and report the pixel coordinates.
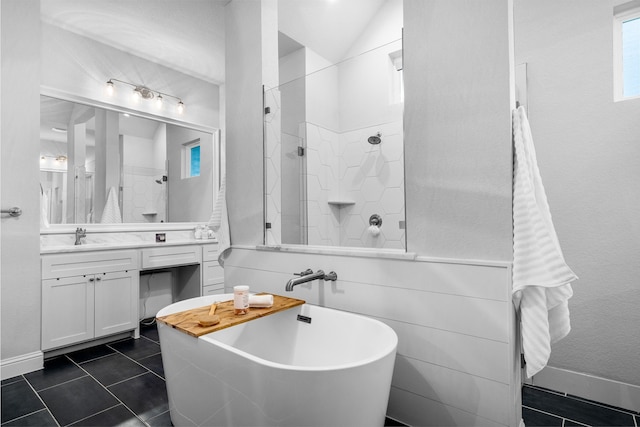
(59, 158)
(141, 92)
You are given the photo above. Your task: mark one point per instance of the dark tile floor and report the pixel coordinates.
(542, 407)
(122, 383)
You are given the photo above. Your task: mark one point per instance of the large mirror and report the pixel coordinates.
(103, 166)
(334, 160)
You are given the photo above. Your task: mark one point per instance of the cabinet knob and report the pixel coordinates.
(91, 279)
(98, 278)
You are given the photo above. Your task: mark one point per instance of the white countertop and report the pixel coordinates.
(108, 246)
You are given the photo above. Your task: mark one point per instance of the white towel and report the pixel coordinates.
(219, 223)
(44, 210)
(541, 278)
(111, 212)
(260, 301)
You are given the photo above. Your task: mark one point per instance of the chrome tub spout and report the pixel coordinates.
(308, 276)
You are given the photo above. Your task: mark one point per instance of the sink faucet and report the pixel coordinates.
(307, 276)
(80, 233)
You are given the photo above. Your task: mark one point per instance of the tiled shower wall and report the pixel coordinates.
(348, 180)
(143, 199)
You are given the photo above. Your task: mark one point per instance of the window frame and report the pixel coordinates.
(187, 158)
(618, 72)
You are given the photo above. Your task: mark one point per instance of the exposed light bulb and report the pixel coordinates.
(159, 101)
(137, 96)
(110, 88)
(180, 107)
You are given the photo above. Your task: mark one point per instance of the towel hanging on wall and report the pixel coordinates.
(541, 277)
(111, 212)
(219, 223)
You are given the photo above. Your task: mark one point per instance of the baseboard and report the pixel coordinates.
(22, 364)
(615, 393)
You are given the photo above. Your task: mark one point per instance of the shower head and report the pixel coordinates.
(375, 139)
(158, 181)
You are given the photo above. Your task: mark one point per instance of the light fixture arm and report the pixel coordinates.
(146, 92)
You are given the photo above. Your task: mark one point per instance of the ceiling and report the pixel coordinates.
(188, 35)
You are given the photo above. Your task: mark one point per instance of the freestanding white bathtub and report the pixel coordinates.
(278, 370)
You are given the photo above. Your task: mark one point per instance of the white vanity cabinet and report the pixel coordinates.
(88, 295)
(212, 272)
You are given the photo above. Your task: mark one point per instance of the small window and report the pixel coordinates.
(627, 54)
(191, 159)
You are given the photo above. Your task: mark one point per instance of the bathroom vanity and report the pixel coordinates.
(90, 292)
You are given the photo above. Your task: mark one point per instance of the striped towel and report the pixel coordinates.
(219, 223)
(111, 212)
(541, 278)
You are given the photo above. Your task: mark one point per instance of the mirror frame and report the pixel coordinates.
(129, 227)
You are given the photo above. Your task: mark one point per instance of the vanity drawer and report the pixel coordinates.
(212, 274)
(171, 256)
(210, 252)
(69, 265)
(213, 290)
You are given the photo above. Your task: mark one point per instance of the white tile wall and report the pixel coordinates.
(141, 194)
(344, 167)
(456, 361)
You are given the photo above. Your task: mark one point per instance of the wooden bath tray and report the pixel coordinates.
(187, 321)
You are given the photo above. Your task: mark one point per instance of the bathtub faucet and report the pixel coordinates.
(307, 276)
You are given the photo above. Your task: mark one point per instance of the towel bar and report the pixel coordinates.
(12, 211)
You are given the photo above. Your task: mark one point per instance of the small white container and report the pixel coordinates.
(241, 300)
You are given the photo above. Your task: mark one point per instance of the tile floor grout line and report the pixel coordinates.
(64, 382)
(46, 409)
(127, 379)
(95, 358)
(133, 360)
(542, 411)
(156, 416)
(106, 389)
(42, 401)
(575, 422)
(93, 415)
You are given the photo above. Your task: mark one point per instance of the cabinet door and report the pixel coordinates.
(116, 302)
(67, 311)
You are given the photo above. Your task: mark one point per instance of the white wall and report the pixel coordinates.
(79, 66)
(589, 159)
(458, 160)
(472, 157)
(244, 122)
(19, 160)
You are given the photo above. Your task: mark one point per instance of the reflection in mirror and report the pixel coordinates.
(156, 171)
(334, 151)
